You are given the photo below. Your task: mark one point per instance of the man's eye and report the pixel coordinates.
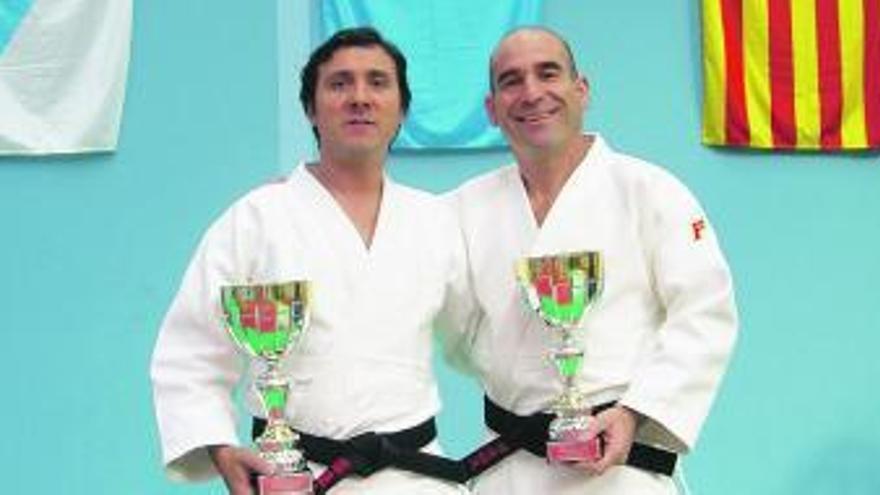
(509, 82)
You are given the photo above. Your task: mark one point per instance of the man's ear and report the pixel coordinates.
(490, 109)
(584, 89)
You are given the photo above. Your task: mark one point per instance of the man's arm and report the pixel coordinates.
(460, 315)
(674, 386)
(195, 365)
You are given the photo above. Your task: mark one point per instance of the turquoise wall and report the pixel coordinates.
(112, 233)
(93, 247)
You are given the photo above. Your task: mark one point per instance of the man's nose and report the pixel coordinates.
(360, 95)
(532, 89)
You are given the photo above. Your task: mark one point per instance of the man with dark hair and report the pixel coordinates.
(658, 339)
(355, 37)
(381, 275)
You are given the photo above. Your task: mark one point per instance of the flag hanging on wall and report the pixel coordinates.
(63, 67)
(447, 45)
(792, 74)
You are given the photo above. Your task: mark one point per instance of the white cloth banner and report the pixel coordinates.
(63, 68)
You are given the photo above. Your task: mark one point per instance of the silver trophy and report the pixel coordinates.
(561, 288)
(267, 321)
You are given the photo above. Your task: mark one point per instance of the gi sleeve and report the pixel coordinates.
(675, 384)
(195, 366)
(460, 314)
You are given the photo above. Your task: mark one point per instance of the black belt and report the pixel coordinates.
(531, 433)
(369, 452)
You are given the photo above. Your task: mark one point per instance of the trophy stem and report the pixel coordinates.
(278, 443)
(568, 358)
(273, 391)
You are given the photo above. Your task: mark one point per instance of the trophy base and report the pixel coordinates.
(285, 484)
(573, 451)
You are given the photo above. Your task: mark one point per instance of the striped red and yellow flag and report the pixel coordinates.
(791, 74)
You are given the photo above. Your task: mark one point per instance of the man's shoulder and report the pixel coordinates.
(270, 190)
(419, 204)
(490, 182)
(648, 183)
(429, 217)
(266, 197)
(631, 168)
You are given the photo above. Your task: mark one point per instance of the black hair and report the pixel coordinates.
(359, 37)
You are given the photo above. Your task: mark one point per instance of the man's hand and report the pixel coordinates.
(618, 426)
(235, 465)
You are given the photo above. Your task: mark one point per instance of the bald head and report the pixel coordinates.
(534, 33)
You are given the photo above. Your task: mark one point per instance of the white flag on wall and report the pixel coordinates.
(63, 68)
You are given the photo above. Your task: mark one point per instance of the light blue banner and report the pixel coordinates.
(11, 14)
(447, 44)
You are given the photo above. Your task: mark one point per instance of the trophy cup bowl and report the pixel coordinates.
(266, 321)
(560, 288)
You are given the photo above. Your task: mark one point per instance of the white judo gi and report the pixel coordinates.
(659, 338)
(364, 363)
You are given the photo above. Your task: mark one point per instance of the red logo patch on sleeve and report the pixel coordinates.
(697, 228)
